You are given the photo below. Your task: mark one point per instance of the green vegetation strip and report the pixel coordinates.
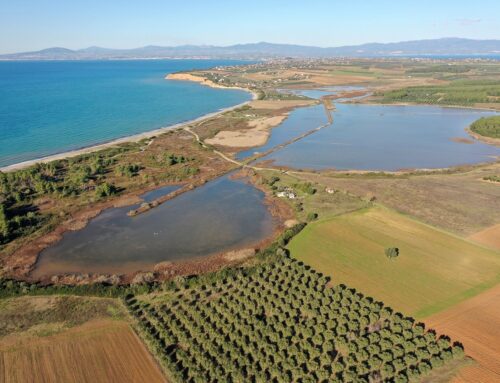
(461, 92)
(281, 322)
(487, 126)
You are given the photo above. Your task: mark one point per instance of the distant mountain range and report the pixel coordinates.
(262, 50)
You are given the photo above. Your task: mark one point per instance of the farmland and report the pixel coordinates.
(275, 319)
(475, 322)
(70, 339)
(283, 322)
(434, 270)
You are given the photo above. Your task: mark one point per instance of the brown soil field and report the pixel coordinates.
(98, 351)
(489, 237)
(460, 202)
(475, 374)
(476, 322)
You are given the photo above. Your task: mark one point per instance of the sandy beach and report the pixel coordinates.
(183, 76)
(135, 137)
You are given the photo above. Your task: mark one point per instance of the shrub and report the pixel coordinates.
(105, 190)
(312, 216)
(129, 170)
(305, 187)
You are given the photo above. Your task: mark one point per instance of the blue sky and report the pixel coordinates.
(37, 24)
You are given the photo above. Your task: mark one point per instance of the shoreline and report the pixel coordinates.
(367, 101)
(132, 138)
(485, 139)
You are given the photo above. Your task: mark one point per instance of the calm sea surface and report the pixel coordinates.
(49, 107)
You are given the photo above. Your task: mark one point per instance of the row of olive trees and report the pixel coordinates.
(282, 323)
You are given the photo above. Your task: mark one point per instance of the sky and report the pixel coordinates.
(27, 25)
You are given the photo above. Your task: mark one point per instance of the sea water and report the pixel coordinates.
(48, 107)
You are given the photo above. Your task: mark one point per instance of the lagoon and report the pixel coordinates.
(300, 121)
(222, 215)
(383, 137)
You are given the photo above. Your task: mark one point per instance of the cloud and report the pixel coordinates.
(468, 22)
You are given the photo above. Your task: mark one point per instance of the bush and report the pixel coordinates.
(128, 170)
(105, 190)
(305, 187)
(312, 216)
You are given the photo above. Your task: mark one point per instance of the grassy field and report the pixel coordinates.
(312, 197)
(463, 203)
(70, 339)
(434, 271)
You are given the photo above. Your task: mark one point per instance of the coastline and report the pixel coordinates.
(132, 138)
(479, 137)
(367, 101)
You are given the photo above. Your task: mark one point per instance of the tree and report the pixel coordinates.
(457, 350)
(392, 252)
(4, 224)
(128, 170)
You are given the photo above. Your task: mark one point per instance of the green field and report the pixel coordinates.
(434, 270)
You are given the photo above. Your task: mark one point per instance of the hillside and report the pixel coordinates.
(435, 47)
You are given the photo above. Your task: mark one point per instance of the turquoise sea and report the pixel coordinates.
(48, 107)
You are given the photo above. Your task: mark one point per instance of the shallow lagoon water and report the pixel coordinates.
(221, 215)
(382, 137)
(299, 121)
